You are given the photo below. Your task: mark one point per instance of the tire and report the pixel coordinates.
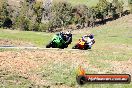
(81, 80)
(64, 46)
(49, 45)
(89, 48)
(75, 47)
(86, 47)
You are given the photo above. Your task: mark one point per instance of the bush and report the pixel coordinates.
(5, 20)
(36, 27)
(102, 8)
(29, 16)
(60, 14)
(80, 14)
(38, 10)
(43, 27)
(130, 5)
(118, 5)
(33, 26)
(22, 23)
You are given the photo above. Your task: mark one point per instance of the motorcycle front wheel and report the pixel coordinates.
(49, 45)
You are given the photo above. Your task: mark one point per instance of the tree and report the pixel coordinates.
(38, 10)
(60, 14)
(103, 7)
(5, 20)
(101, 10)
(118, 5)
(29, 16)
(80, 15)
(130, 5)
(22, 20)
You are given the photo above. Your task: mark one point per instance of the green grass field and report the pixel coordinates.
(37, 38)
(91, 3)
(86, 2)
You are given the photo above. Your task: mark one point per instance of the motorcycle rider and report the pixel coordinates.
(60, 40)
(89, 40)
(67, 37)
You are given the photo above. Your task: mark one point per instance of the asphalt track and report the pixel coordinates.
(35, 48)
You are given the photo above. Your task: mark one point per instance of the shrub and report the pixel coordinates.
(38, 10)
(60, 14)
(130, 5)
(118, 5)
(36, 27)
(80, 14)
(43, 27)
(29, 16)
(22, 23)
(102, 9)
(5, 20)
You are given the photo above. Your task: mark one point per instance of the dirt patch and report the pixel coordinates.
(20, 63)
(23, 61)
(115, 47)
(26, 62)
(119, 67)
(7, 42)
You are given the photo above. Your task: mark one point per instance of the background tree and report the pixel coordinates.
(22, 20)
(130, 5)
(38, 10)
(80, 15)
(5, 19)
(118, 7)
(101, 10)
(29, 16)
(60, 14)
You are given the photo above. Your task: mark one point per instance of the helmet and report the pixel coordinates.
(91, 36)
(68, 32)
(61, 32)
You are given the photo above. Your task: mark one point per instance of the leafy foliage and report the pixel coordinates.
(60, 14)
(118, 6)
(102, 8)
(31, 15)
(130, 5)
(5, 20)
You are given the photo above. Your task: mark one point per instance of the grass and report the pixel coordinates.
(86, 2)
(9, 79)
(37, 38)
(90, 3)
(76, 2)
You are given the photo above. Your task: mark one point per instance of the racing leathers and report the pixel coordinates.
(89, 40)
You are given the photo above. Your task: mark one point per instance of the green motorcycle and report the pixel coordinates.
(59, 41)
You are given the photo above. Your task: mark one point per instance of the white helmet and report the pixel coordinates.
(68, 32)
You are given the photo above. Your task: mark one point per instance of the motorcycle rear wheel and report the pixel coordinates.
(75, 47)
